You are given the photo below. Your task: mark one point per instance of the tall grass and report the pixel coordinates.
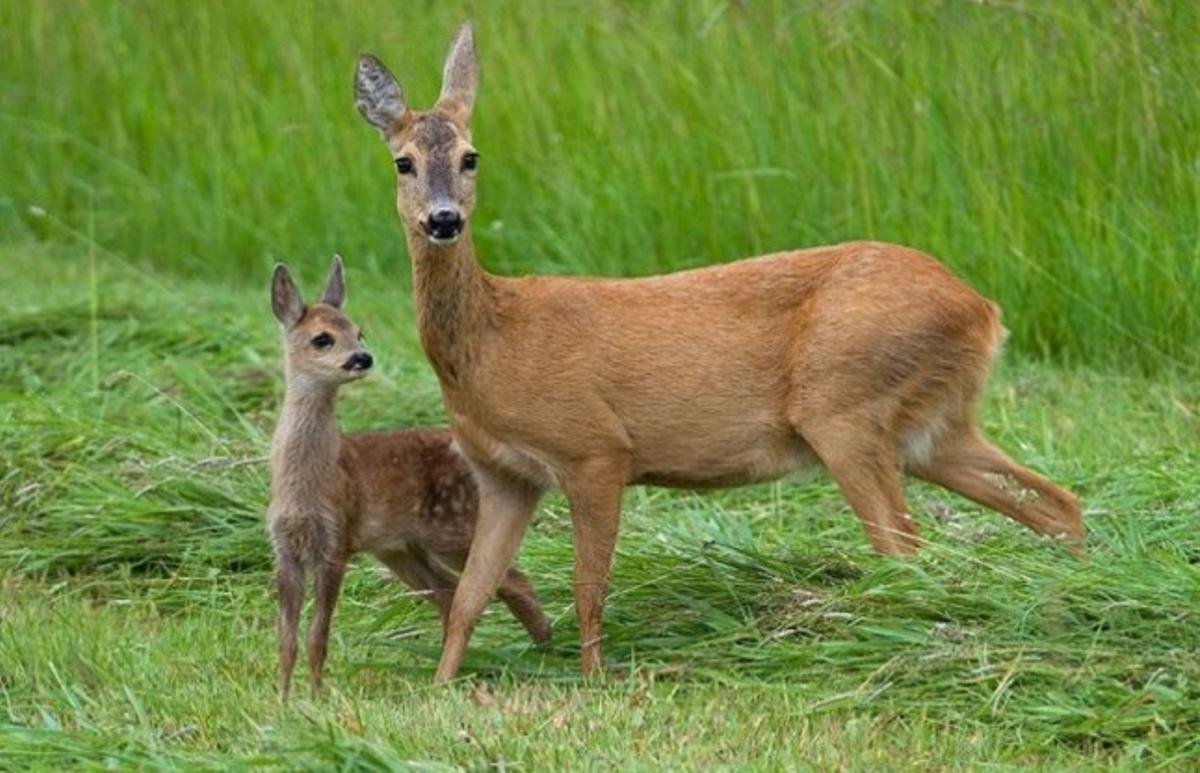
(1049, 151)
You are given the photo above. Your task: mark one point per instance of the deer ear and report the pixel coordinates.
(377, 94)
(461, 74)
(285, 297)
(335, 287)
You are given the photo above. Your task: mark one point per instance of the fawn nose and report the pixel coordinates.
(359, 362)
(444, 224)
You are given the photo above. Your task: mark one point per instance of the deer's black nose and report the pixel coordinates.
(445, 224)
(359, 362)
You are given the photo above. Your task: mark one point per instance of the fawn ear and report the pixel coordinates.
(460, 75)
(377, 94)
(335, 287)
(285, 297)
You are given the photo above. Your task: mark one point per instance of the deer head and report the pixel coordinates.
(435, 162)
(323, 347)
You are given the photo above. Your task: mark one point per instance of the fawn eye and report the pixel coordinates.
(362, 336)
(323, 341)
(470, 161)
(404, 165)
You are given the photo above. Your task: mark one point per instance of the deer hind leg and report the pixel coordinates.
(971, 466)
(414, 573)
(436, 572)
(505, 507)
(866, 468)
(517, 594)
(329, 574)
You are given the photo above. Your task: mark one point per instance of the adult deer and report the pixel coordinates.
(865, 358)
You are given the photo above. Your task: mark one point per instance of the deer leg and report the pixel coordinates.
(595, 499)
(289, 583)
(505, 507)
(441, 580)
(979, 471)
(410, 569)
(518, 595)
(867, 471)
(514, 590)
(329, 574)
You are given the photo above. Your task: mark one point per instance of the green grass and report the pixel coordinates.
(1048, 151)
(751, 626)
(159, 156)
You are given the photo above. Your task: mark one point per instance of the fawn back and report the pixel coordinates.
(405, 496)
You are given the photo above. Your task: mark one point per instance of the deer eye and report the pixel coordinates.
(470, 161)
(404, 165)
(323, 341)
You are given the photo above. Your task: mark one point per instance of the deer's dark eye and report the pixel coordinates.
(404, 165)
(322, 341)
(470, 161)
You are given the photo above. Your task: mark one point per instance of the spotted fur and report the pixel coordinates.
(405, 496)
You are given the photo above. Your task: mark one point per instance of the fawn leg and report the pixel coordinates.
(971, 466)
(505, 507)
(595, 498)
(329, 574)
(514, 590)
(867, 471)
(518, 595)
(289, 583)
(417, 576)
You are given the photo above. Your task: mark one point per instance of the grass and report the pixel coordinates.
(1047, 151)
(159, 157)
(747, 627)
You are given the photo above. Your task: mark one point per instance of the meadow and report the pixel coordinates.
(160, 157)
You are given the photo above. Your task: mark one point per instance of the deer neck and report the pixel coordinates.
(453, 302)
(306, 443)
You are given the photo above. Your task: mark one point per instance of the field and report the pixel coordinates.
(158, 158)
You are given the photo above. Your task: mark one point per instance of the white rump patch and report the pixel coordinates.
(918, 444)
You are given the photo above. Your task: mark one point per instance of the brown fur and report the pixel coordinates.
(405, 496)
(865, 358)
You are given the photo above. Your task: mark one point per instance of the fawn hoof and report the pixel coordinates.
(542, 635)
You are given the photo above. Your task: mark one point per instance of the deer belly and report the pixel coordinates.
(482, 448)
(722, 459)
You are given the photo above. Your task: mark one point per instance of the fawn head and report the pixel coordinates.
(435, 162)
(322, 345)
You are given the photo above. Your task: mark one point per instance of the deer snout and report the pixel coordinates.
(359, 362)
(444, 225)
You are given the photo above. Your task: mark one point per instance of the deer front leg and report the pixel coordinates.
(505, 507)
(289, 583)
(594, 494)
(329, 574)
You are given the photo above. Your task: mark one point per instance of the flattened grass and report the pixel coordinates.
(744, 627)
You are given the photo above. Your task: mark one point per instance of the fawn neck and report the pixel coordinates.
(453, 299)
(306, 442)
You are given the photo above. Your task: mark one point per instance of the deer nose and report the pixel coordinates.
(359, 362)
(445, 223)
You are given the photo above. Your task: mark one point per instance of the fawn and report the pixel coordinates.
(867, 359)
(405, 496)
